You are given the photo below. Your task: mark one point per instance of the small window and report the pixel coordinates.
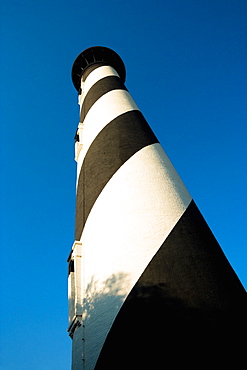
(77, 137)
(71, 266)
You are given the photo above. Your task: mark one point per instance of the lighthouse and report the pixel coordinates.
(149, 286)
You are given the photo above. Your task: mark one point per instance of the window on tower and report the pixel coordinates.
(77, 137)
(71, 266)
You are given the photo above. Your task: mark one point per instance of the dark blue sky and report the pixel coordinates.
(186, 69)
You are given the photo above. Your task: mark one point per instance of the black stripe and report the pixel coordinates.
(114, 145)
(100, 88)
(90, 69)
(188, 307)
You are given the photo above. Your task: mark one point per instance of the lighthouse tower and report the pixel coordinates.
(149, 286)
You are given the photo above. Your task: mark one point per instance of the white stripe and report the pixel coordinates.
(105, 109)
(128, 223)
(96, 75)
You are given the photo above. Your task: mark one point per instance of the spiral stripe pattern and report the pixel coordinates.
(152, 269)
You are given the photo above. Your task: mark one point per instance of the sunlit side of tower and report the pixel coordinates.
(148, 283)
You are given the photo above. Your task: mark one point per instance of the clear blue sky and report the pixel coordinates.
(186, 69)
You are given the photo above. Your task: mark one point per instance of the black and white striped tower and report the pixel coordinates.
(149, 286)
